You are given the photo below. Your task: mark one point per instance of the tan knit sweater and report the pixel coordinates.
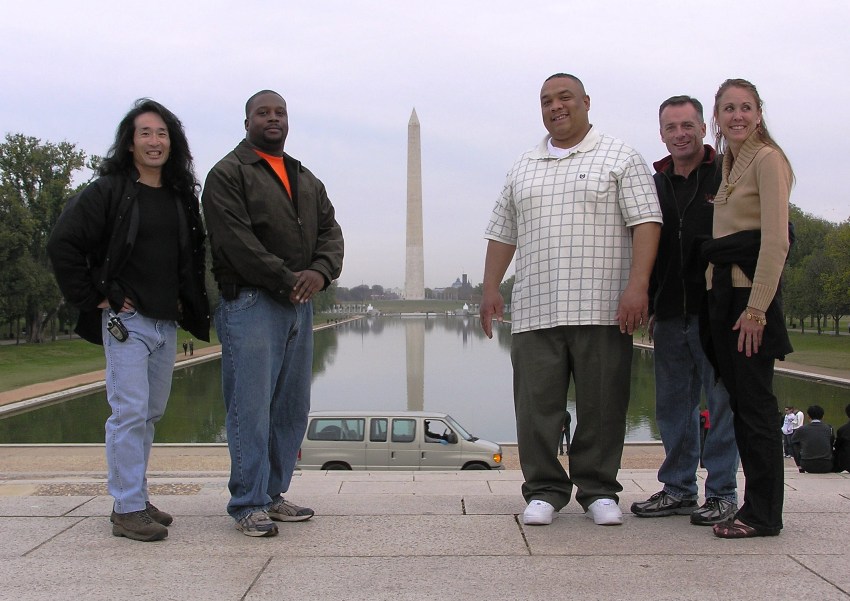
(754, 195)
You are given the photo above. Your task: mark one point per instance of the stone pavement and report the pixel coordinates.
(395, 535)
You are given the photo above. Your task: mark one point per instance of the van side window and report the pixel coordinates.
(336, 429)
(404, 430)
(437, 431)
(378, 430)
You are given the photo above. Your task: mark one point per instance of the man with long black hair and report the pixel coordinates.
(128, 252)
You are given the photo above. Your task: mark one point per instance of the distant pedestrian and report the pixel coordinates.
(191, 347)
(704, 427)
(185, 347)
(565, 433)
(788, 426)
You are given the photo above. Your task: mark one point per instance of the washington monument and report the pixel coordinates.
(414, 275)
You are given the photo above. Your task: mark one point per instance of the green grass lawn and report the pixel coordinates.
(24, 364)
(820, 350)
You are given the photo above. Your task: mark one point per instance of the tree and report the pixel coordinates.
(325, 299)
(836, 282)
(35, 180)
(506, 289)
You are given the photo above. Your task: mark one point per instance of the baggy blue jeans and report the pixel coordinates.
(266, 373)
(138, 382)
(682, 372)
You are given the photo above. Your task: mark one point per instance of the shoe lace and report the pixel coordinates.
(716, 503)
(144, 517)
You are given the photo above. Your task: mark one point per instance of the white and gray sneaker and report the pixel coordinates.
(605, 512)
(539, 513)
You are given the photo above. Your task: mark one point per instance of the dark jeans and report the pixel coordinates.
(749, 381)
(599, 358)
(787, 449)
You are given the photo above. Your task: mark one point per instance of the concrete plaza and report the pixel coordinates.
(395, 535)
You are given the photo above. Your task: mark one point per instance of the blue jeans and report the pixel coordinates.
(682, 371)
(266, 373)
(138, 382)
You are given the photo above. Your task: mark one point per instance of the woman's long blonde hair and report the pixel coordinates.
(720, 142)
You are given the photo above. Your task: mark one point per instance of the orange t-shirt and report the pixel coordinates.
(276, 163)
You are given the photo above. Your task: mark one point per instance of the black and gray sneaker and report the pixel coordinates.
(256, 523)
(284, 511)
(714, 511)
(661, 504)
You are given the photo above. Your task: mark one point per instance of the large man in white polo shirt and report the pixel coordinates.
(581, 213)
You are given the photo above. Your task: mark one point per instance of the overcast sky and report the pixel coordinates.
(352, 72)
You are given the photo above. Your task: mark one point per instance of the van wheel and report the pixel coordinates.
(475, 466)
(336, 465)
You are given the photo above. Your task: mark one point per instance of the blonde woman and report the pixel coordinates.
(747, 328)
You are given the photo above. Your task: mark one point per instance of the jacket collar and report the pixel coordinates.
(245, 153)
(665, 165)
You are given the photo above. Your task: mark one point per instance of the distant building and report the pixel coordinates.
(459, 290)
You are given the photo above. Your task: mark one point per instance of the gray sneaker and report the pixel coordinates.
(284, 511)
(661, 504)
(137, 525)
(714, 511)
(256, 523)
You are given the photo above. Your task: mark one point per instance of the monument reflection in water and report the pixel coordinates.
(442, 363)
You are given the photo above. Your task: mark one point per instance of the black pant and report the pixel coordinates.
(758, 421)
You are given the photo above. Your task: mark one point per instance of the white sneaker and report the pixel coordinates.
(605, 512)
(539, 513)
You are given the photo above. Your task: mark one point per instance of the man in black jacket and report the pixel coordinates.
(813, 443)
(275, 243)
(128, 252)
(687, 181)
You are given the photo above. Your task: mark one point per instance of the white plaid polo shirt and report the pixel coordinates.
(569, 219)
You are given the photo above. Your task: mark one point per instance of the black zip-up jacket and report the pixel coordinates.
(93, 239)
(677, 284)
(258, 234)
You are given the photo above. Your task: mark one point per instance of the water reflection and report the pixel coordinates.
(385, 363)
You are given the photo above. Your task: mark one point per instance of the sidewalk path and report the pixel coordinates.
(406, 535)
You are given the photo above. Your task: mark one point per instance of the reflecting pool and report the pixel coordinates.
(440, 363)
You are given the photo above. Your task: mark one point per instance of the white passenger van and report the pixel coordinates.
(402, 440)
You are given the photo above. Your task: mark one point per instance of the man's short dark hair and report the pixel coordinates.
(682, 100)
(815, 411)
(567, 76)
(251, 99)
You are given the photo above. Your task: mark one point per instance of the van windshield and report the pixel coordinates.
(460, 430)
